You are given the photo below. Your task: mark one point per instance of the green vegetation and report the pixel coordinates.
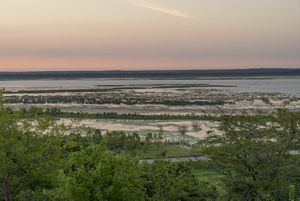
(151, 148)
(57, 113)
(158, 150)
(43, 160)
(253, 155)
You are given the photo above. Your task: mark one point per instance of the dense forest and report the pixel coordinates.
(44, 160)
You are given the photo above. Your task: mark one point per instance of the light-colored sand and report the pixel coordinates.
(170, 128)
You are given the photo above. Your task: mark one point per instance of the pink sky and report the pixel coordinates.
(148, 34)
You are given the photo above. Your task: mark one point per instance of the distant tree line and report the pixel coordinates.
(58, 113)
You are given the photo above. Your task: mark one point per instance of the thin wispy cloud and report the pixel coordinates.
(164, 9)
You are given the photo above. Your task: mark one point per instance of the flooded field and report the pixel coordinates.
(269, 85)
(155, 97)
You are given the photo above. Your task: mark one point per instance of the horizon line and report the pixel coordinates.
(149, 70)
(137, 70)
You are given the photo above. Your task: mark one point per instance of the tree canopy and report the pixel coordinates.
(253, 152)
(41, 160)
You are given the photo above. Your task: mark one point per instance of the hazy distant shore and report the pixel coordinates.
(260, 73)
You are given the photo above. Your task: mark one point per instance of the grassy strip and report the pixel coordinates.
(166, 150)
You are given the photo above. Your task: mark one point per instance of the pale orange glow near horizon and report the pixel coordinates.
(148, 34)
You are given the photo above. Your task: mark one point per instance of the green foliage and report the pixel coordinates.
(41, 160)
(120, 141)
(253, 154)
(57, 113)
(167, 182)
(266, 100)
(161, 150)
(292, 193)
(29, 156)
(96, 174)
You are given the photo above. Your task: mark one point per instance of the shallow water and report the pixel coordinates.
(289, 86)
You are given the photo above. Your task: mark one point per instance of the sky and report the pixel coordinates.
(148, 34)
